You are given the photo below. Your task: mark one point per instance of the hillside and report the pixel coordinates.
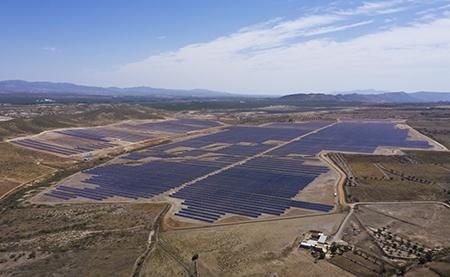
(387, 97)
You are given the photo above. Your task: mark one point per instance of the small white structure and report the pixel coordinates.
(322, 239)
(318, 243)
(309, 244)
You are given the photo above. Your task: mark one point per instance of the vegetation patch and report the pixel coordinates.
(378, 178)
(75, 240)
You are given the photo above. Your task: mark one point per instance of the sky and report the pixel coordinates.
(259, 47)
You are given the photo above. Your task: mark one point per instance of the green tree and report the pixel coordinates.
(333, 248)
(322, 255)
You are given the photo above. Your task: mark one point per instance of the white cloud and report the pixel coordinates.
(279, 57)
(49, 48)
(371, 8)
(330, 29)
(444, 7)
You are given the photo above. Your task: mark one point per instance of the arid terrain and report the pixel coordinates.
(392, 219)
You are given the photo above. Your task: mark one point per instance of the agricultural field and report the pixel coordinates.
(417, 176)
(362, 265)
(405, 232)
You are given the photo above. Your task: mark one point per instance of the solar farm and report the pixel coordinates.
(247, 171)
(73, 142)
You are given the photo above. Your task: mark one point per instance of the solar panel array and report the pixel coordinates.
(141, 181)
(135, 156)
(100, 134)
(38, 145)
(134, 133)
(351, 137)
(235, 135)
(309, 126)
(178, 126)
(96, 146)
(259, 186)
(254, 185)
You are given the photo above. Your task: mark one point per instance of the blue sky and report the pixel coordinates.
(247, 46)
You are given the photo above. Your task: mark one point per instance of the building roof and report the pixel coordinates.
(322, 239)
(311, 242)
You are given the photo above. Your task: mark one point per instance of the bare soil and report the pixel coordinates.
(6, 186)
(396, 178)
(252, 249)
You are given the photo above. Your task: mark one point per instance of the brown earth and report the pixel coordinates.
(252, 249)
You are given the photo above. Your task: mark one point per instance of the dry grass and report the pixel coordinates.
(20, 165)
(167, 266)
(417, 225)
(395, 190)
(421, 272)
(352, 266)
(442, 269)
(430, 157)
(252, 249)
(75, 240)
(424, 224)
(6, 186)
(386, 178)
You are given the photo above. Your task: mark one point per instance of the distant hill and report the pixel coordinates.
(20, 86)
(314, 97)
(360, 91)
(14, 88)
(424, 96)
(386, 97)
(389, 97)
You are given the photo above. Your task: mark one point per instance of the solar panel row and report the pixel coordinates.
(100, 134)
(262, 185)
(237, 134)
(181, 125)
(141, 181)
(251, 189)
(136, 156)
(46, 147)
(97, 146)
(284, 165)
(351, 137)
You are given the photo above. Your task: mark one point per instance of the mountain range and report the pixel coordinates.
(363, 96)
(384, 97)
(20, 86)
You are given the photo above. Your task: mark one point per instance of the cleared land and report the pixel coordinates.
(19, 165)
(251, 249)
